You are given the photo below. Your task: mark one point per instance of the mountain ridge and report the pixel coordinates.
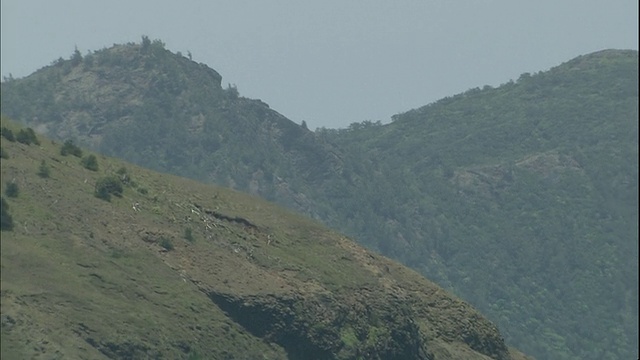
(478, 186)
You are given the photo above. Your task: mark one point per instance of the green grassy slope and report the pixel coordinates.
(87, 278)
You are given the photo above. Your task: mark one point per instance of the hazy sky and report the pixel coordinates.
(331, 62)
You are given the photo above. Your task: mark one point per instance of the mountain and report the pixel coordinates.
(103, 259)
(171, 114)
(521, 199)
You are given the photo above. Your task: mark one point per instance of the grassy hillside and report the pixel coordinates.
(173, 269)
(522, 199)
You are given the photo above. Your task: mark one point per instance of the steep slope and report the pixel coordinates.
(144, 104)
(171, 268)
(528, 202)
(521, 199)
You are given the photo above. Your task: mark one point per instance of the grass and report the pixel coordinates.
(73, 262)
(87, 278)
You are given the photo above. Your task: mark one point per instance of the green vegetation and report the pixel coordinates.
(27, 136)
(6, 221)
(107, 186)
(90, 162)
(262, 282)
(11, 189)
(69, 148)
(8, 134)
(515, 212)
(522, 198)
(166, 243)
(44, 171)
(188, 235)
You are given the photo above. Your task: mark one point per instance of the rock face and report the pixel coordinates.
(86, 278)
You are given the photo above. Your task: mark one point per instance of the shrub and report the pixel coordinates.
(125, 177)
(3, 154)
(11, 190)
(27, 136)
(8, 134)
(107, 186)
(43, 170)
(166, 243)
(70, 148)
(232, 91)
(6, 221)
(188, 234)
(90, 162)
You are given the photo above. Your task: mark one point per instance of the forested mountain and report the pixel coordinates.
(522, 199)
(528, 203)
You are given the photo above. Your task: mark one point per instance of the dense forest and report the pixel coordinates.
(522, 199)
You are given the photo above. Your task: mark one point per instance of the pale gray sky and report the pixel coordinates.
(331, 62)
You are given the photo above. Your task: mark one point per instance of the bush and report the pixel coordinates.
(43, 170)
(6, 221)
(70, 148)
(8, 134)
(27, 136)
(3, 154)
(188, 234)
(90, 162)
(125, 177)
(11, 190)
(166, 243)
(107, 186)
(232, 91)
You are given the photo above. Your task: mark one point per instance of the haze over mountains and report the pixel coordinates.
(522, 199)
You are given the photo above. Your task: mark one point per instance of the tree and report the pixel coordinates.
(70, 148)
(76, 58)
(8, 134)
(107, 186)
(43, 170)
(232, 91)
(27, 136)
(6, 221)
(90, 162)
(145, 43)
(11, 190)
